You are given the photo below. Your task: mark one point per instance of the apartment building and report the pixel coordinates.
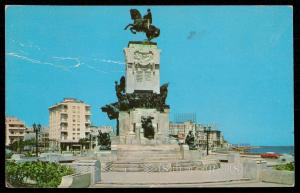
(181, 129)
(69, 121)
(14, 130)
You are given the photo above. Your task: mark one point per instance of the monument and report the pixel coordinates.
(141, 111)
(142, 141)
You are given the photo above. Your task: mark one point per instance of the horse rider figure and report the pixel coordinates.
(148, 18)
(143, 24)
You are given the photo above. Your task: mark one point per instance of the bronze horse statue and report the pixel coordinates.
(143, 24)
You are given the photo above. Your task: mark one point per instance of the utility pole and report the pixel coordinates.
(90, 141)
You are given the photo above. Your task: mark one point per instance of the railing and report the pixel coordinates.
(17, 134)
(64, 111)
(64, 120)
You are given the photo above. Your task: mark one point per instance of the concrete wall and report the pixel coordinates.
(278, 176)
(91, 166)
(191, 154)
(253, 170)
(76, 181)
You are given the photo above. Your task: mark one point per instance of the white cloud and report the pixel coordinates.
(78, 63)
(36, 61)
(112, 61)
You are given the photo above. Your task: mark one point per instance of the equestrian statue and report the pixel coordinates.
(143, 24)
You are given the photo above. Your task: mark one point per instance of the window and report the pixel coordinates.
(78, 129)
(73, 138)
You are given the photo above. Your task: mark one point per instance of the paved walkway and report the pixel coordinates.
(227, 172)
(197, 185)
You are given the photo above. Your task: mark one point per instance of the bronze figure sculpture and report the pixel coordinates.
(148, 127)
(143, 24)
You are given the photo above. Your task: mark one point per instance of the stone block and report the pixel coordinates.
(90, 166)
(17, 156)
(82, 180)
(278, 176)
(253, 170)
(233, 158)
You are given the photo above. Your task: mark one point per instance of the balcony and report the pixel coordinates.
(88, 112)
(63, 124)
(64, 111)
(87, 121)
(64, 120)
(16, 134)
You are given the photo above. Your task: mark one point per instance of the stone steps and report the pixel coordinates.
(157, 166)
(161, 159)
(150, 155)
(149, 147)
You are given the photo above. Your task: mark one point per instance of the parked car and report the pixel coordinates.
(271, 155)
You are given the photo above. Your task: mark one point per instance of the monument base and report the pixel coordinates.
(132, 132)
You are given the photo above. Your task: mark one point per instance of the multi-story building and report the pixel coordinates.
(69, 121)
(43, 137)
(14, 130)
(202, 133)
(182, 128)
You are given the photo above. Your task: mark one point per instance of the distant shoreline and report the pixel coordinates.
(275, 149)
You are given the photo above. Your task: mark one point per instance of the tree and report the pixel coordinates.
(18, 145)
(83, 141)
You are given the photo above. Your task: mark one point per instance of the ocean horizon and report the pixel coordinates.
(276, 149)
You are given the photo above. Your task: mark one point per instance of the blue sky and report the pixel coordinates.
(231, 65)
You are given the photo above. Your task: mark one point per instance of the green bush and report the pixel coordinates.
(288, 166)
(8, 155)
(28, 154)
(46, 175)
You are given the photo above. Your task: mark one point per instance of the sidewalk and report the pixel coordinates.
(229, 175)
(198, 185)
(227, 172)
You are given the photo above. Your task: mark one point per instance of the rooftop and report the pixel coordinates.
(68, 100)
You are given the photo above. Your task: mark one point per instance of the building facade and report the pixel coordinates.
(202, 133)
(69, 121)
(14, 130)
(43, 138)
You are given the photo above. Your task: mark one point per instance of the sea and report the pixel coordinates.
(275, 149)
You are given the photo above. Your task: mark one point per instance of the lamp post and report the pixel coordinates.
(36, 129)
(90, 141)
(207, 130)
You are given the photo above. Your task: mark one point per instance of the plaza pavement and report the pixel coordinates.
(229, 184)
(229, 175)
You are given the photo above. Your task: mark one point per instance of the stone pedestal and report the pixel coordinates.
(131, 131)
(142, 67)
